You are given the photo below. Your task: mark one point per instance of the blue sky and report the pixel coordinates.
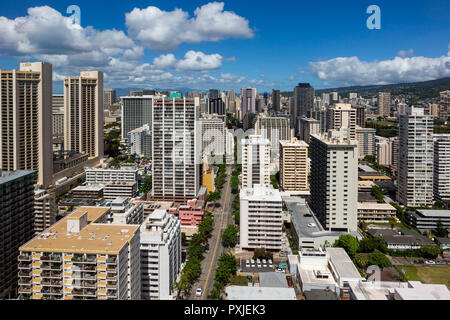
(264, 44)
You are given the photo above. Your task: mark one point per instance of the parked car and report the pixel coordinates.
(279, 270)
(430, 262)
(198, 293)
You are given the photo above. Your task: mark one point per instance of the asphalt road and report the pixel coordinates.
(222, 217)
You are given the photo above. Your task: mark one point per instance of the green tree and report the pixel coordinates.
(379, 259)
(362, 260)
(392, 222)
(430, 251)
(146, 187)
(213, 196)
(274, 181)
(440, 231)
(349, 243)
(230, 236)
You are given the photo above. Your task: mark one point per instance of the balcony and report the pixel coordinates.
(23, 257)
(24, 265)
(111, 260)
(25, 289)
(23, 273)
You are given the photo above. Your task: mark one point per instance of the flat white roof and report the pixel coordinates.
(367, 205)
(260, 293)
(342, 263)
(421, 291)
(434, 213)
(260, 192)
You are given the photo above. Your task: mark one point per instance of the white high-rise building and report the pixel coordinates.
(140, 141)
(212, 135)
(441, 169)
(261, 221)
(102, 176)
(415, 159)
(342, 115)
(294, 166)
(160, 255)
(136, 112)
(334, 181)
(83, 113)
(255, 161)
(175, 150)
(26, 120)
(384, 152)
(275, 129)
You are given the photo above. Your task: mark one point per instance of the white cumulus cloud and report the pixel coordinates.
(199, 61)
(353, 71)
(165, 30)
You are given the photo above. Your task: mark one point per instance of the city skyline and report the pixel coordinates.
(186, 54)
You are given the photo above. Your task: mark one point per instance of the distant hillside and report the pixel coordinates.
(416, 90)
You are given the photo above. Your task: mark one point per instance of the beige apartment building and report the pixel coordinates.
(294, 165)
(384, 104)
(81, 257)
(26, 120)
(342, 115)
(83, 113)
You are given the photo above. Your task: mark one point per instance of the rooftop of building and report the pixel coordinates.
(369, 205)
(342, 263)
(433, 213)
(76, 202)
(421, 291)
(94, 188)
(9, 176)
(317, 294)
(294, 142)
(365, 168)
(260, 293)
(272, 280)
(93, 238)
(260, 193)
(256, 140)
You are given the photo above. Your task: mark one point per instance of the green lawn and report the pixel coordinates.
(428, 274)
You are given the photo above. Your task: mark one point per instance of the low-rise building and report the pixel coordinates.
(375, 212)
(113, 190)
(124, 211)
(94, 192)
(396, 240)
(423, 219)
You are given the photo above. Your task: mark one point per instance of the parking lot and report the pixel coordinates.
(256, 269)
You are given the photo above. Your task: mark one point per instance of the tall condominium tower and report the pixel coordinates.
(26, 120)
(276, 100)
(232, 102)
(274, 129)
(307, 127)
(360, 115)
(384, 104)
(261, 221)
(175, 165)
(366, 141)
(248, 100)
(109, 97)
(255, 161)
(136, 112)
(294, 165)
(83, 113)
(342, 115)
(16, 224)
(415, 159)
(444, 107)
(216, 106)
(303, 102)
(82, 257)
(441, 168)
(212, 136)
(334, 181)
